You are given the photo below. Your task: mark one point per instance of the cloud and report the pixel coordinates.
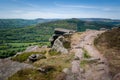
(101, 8)
(75, 6)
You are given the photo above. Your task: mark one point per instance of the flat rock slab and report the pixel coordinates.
(9, 67)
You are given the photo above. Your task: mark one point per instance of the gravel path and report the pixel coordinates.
(94, 71)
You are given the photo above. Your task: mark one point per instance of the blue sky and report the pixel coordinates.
(31, 9)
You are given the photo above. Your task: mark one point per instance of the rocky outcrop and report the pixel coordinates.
(59, 46)
(60, 32)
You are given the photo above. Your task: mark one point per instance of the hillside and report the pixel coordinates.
(17, 39)
(46, 29)
(108, 44)
(16, 23)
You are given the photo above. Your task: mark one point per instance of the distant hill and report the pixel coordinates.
(42, 31)
(16, 23)
(100, 19)
(17, 38)
(108, 44)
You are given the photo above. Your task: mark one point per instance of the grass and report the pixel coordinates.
(58, 62)
(86, 54)
(23, 57)
(32, 74)
(83, 63)
(54, 52)
(62, 61)
(7, 48)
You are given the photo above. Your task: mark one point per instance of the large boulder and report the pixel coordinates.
(59, 45)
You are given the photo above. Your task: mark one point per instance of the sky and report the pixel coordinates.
(32, 9)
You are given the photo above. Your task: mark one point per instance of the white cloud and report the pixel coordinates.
(75, 6)
(101, 8)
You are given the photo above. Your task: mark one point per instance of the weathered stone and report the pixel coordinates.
(9, 67)
(76, 58)
(60, 32)
(35, 57)
(46, 69)
(58, 45)
(66, 70)
(92, 60)
(32, 49)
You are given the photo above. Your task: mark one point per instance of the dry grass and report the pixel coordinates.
(62, 61)
(32, 74)
(108, 44)
(59, 62)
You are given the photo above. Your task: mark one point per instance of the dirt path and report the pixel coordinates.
(96, 67)
(8, 68)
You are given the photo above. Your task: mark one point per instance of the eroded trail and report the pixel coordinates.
(93, 68)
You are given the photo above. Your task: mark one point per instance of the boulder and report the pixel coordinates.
(32, 49)
(46, 69)
(35, 57)
(58, 45)
(66, 70)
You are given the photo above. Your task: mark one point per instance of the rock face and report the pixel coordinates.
(60, 41)
(59, 46)
(60, 32)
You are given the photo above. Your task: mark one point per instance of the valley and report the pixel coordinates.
(87, 53)
(38, 33)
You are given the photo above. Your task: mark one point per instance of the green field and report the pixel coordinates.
(10, 49)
